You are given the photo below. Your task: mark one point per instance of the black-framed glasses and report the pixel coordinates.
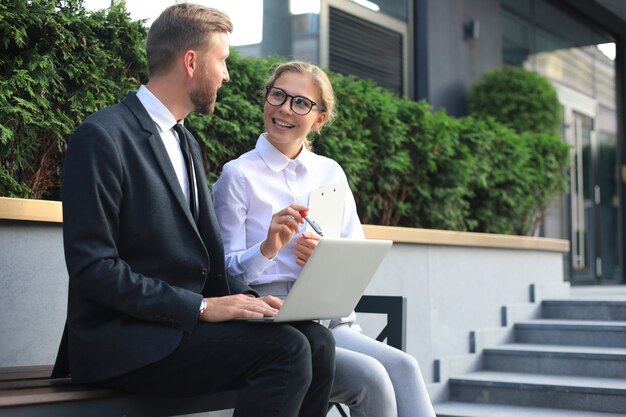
(299, 104)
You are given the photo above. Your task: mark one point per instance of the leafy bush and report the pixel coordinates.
(58, 64)
(527, 176)
(520, 99)
(499, 202)
(407, 165)
(437, 186)
(369, 143)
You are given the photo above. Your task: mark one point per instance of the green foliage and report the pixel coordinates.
(528, 167)
(11, 188)
(549, 161)
(406, 165)
(436, 188)
(369, 143)
(522, 175)
(58, 64)
(499, 203)
(520, 99)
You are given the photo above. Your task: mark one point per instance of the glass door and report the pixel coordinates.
(582, 200)
(579, 60)
(593, 203)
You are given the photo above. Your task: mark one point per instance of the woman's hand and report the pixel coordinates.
(305, 245)
(283, 226)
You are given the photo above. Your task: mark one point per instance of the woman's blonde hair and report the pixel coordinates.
(320, 79)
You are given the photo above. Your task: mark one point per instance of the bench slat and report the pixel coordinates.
(45, 395)
(14, 373)
(26, 385)
(33, 383)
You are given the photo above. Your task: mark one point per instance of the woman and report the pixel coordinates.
(260, 199)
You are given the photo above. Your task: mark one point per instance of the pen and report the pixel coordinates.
(314, 225)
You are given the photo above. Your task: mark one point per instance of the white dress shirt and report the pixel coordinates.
(165, 122)
(258, 184)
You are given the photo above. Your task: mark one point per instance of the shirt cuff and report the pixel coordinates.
(256, 263)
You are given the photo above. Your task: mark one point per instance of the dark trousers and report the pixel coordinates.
(281, 369)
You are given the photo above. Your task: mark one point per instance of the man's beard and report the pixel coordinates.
(203, 97)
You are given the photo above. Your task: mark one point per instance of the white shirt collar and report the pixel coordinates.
(161, 115)
(276, 160)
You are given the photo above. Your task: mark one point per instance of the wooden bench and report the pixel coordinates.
(30, 392)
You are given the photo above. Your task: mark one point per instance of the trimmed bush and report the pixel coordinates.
(369, 143)
(406, 165)
(517, 98)
(436, 188)
(58, 64)
(523, 179)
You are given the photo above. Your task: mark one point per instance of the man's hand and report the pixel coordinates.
(283, 226)
(305, 245)
(239, 306)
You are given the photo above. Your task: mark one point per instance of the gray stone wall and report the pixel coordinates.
(33, 292)
(450, 292)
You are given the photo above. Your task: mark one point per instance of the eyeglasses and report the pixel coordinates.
(299, 105)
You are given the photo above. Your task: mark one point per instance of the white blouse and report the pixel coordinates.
(258, 184)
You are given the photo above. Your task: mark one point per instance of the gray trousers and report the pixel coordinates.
(376, 380)
(373, 379)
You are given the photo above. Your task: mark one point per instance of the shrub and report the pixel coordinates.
(499, 202)
(406, 165)
(369, 143)
(58, 64)
(523, 178)
(520, 99)
(437, 186)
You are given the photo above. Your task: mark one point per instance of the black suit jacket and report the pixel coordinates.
(138, 264)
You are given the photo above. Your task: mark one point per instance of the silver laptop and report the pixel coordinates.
(333, 279)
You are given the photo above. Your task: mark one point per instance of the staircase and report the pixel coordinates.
(570, 362)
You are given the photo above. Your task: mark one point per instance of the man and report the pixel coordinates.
(150, 306)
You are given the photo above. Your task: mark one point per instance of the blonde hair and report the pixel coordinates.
(181, 27)
(320, 79)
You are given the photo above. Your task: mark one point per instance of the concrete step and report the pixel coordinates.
(571, 332)
(461, 409)
(584, 310)
(549, 391)
(604, 362)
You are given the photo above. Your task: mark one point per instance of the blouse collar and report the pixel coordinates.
(276, 160)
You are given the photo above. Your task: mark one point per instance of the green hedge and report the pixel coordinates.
(522, 100)
(58, 64)
(408, 166)
(533, 171)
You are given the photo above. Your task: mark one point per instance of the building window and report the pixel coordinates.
(366, 50)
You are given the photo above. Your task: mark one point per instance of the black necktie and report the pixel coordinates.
(183, 138)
